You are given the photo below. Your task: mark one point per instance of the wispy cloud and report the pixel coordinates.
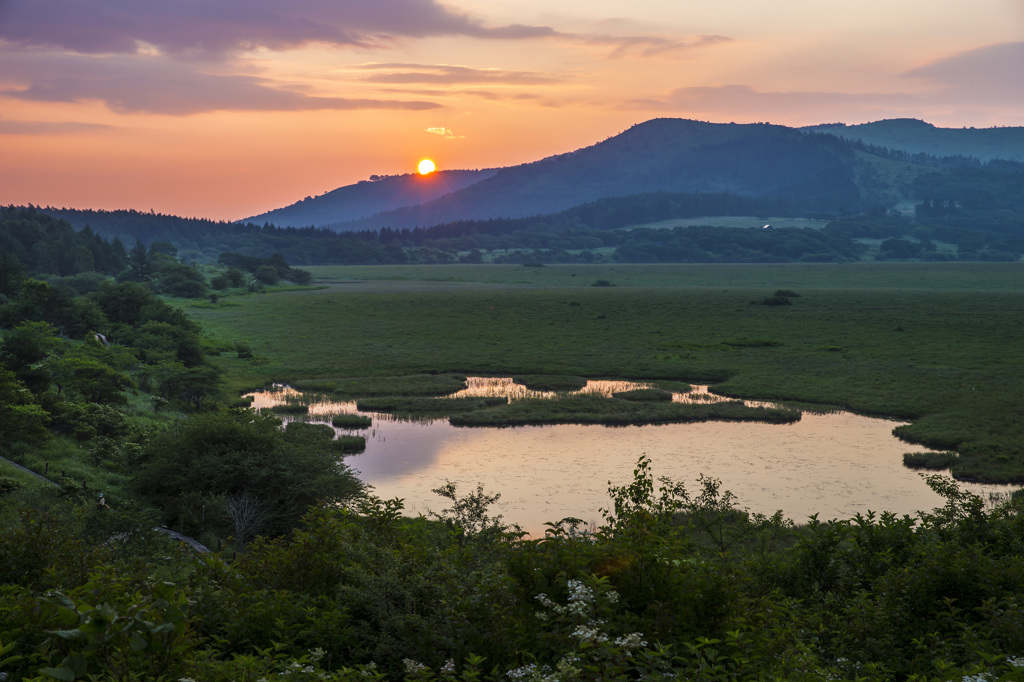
(446, 133)
(445, 74)
(214, 28)
(156, 85)
(983, 76)
(49, 127)
(652, 46)
(743, 103)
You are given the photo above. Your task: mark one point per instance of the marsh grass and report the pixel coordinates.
(589, 409)
(428, 407)
(408, 385)
(351, 421)
(541, 382)
(645, 395)
(936, 461)
(290, 408)
(349, 444)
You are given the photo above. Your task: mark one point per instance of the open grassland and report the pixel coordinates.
(939, 344)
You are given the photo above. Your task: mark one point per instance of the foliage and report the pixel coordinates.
(238, 452)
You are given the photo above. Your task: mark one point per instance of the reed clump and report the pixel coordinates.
(935, 461)
(351, 421)
(428, 407)
(290, 408)
(349, 444)
(550, 382)
(590, 409)
(645, 395)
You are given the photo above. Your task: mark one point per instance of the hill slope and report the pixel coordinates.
(919, 137)
(670, 155)
(369, 197)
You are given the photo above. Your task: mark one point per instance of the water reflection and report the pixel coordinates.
(835, 465)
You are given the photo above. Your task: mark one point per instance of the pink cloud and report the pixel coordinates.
(209, 28)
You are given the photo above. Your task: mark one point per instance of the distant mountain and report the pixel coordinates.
(369, 197)
(918, 137)
(667, 155)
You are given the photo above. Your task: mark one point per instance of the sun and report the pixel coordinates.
(426, 167)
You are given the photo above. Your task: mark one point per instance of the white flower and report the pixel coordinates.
(448, 668)
(585, 634)
(633, 640)
(412, 666)
(1016, 661)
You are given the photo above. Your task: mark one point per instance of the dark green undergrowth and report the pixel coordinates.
(674, 584)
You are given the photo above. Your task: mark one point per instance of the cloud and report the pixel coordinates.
(213, 28)
(49, 127)
(444, 74)
(446, 133)
(653, 46)
(156, 85)
(985, 75)
(743, 103)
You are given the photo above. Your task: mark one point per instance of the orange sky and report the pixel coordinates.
(196, 110)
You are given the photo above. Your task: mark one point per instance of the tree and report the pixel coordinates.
(247, 514)
(192, 385)
(21, 419)
(267, 274)
(235, 452)
(139, 262)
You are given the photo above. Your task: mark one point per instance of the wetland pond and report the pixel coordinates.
(834, 464)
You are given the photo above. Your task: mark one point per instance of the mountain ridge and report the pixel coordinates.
(829, 167)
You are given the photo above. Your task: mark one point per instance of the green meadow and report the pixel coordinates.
(937, 344)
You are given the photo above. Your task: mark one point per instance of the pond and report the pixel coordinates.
(834, 465)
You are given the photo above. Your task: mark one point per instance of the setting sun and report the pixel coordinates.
(426, 167)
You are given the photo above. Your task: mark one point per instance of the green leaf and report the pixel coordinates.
(70, 635)
(61, 673)
(77, 663)
(138, 642)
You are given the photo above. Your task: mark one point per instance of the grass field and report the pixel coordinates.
(939, 344)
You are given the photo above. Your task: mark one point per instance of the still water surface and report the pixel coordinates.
(834, 465)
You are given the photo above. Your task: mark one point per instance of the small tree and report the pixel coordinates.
(267, 274)
(247, 515)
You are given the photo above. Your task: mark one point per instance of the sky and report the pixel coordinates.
(228, 108)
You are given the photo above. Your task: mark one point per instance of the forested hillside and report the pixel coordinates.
(919, 137)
